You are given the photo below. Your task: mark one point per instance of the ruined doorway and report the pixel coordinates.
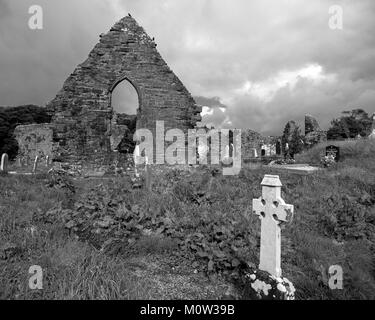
(125, 105)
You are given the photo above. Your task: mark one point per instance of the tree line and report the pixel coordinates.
(350, 125)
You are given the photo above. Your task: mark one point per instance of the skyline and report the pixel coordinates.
(257, 65)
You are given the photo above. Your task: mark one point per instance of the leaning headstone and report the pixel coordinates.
(333, 151)
(267, 282)
(35, 166)
(4, 163)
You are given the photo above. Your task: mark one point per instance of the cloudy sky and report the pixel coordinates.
(256, 64)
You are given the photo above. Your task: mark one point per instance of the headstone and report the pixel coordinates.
(227, 160)
(272, 211)
(19, 162)
(202, 153)
(333, 151)
(255, 153)
(4, 163)
(47, 161)
(148, 175)
(35, 166)
(136, 156)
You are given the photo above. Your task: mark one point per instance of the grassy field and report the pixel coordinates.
(188, 237)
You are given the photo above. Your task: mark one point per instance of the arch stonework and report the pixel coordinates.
(82, 114)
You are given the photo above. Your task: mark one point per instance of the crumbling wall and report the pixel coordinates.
(35, 140)
(82, 113)
(251, 141)
(313, 133)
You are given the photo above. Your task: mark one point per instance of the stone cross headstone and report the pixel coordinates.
(4, 163)
(35, 166)
(272, 211)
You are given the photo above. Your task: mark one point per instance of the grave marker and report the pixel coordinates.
(4, 163)
(333, 151)
(136, 156)
(35, 166)
(148, 175)
(227, 159)
(272, 211)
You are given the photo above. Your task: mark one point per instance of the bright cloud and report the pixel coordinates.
(266, 90)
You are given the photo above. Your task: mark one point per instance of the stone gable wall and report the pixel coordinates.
(82, 110)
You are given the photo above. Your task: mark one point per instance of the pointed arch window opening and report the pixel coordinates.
(125, 98)
(125, 106)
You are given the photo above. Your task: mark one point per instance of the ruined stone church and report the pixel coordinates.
(84, 126)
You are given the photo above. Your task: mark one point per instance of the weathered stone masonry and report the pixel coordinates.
(83, 119)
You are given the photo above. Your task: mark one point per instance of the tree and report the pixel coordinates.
(11, 117)
(293, 137)
(350, 125)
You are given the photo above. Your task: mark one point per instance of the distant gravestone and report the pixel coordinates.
(227, 160)
(35, 167)
(333, 151)
(202, 153)
(47, 161)
(4, 163)
(136, 156)
(148, 175)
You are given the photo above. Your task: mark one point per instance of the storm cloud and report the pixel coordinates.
(265, 62)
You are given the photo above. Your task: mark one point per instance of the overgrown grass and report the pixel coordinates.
(71, 269)
(205, 220)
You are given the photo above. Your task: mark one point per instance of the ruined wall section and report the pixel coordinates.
(34, 140)
(251, 141)
(82, 109)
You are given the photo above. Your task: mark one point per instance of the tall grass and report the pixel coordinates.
(334, 224)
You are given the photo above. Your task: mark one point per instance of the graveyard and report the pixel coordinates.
(153, 203)
(193, 234)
